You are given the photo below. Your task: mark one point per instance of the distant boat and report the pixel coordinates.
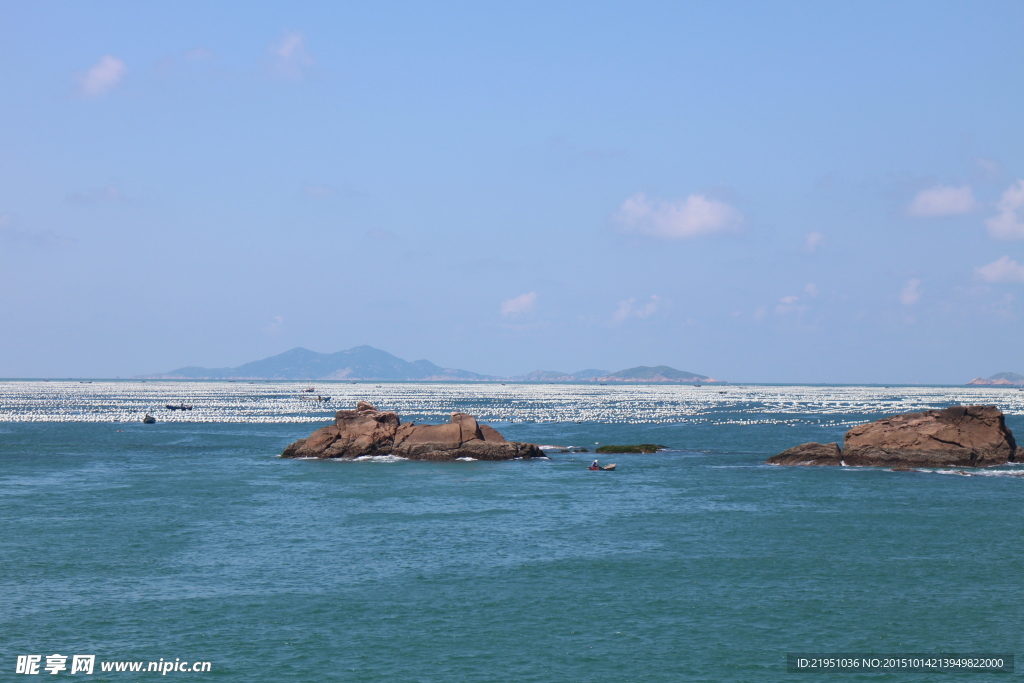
(149, 419)
(606, 468)
(181, 407)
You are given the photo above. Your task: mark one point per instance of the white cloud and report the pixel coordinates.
(102, 76)
(787, 304)
(521, 304)
(1008, 224)
(911, 292)
(319, 191)
(290, 55)
(1003, 269)
(625, 308)
(628, 309)
(46, 238)
(110, 193)
(650, 308)
(199, 54)
(811, 289)
(814, 241)
(942, 200)
(276, 324)
(680, 219)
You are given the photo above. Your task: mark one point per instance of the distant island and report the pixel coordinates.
(1005, 379)
(368, 363)
(360, 362)
(641, 373)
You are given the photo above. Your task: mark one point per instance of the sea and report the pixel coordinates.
(191, 541)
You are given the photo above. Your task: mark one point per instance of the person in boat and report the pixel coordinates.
(594, 464)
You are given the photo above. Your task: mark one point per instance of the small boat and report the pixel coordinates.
(309, 391)
(606, 468)
(149, 419)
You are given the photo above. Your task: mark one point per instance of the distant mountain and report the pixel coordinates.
(361, 362)
(658, 373)
(642, 373)
(544, 376)
(1000, 379)
(590, 373)
(368, 363)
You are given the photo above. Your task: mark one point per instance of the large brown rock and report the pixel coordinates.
(809, 454)
(363, 431)
(367, 431)
(961, 436)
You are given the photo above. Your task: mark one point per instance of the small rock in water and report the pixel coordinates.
(809, 454)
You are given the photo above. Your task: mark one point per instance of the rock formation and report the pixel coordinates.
(961, 436)
(368, 431)
(1000, 379)
(809, 454)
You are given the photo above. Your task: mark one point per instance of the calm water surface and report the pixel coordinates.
(193, 540)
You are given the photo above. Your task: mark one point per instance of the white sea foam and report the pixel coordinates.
(467, 459)
(379, 458)
(282, 402)
(979, 472)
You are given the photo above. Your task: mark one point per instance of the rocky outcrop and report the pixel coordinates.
(961, 436)
(809, 454)
(368, 431)
(1000, 379)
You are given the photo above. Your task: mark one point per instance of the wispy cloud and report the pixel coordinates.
(523, 303)
(813, 241)
(629, 309)
(1008, 224)
(45, 238)
(199, 54)
(319, 191)
(276, 325)
(291, 58)
(789, 304)
(676, 219)
(911, 292)
(102, 76)
(110, 193)
(1002, 269)
(942, 200)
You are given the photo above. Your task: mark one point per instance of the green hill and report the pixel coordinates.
(658, 373)
(360, 362)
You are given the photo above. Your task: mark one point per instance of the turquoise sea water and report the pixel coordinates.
(192, 540)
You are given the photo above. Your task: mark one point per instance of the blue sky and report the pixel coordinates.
(758, 191)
